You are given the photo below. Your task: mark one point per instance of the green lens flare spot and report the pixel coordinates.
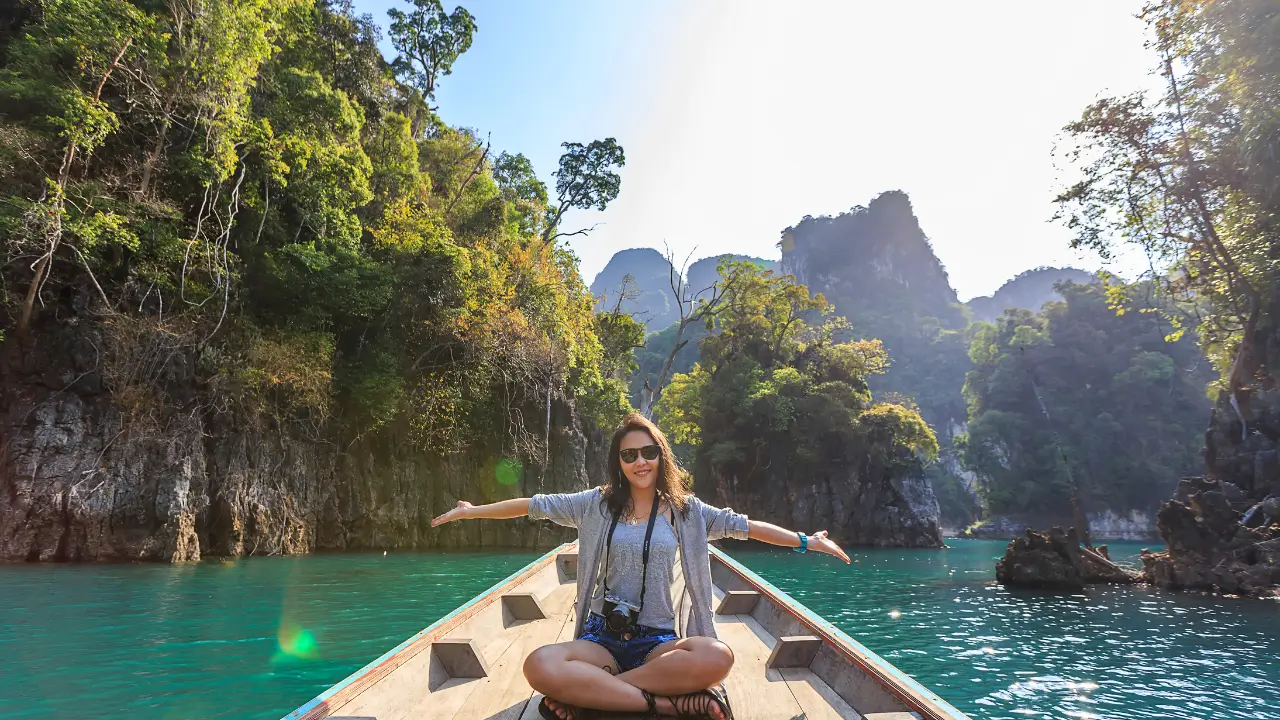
(508, 471)
(297, 642)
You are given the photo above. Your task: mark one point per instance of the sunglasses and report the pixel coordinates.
(650, 452)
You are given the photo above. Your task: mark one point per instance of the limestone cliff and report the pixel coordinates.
(1222, 531)
(874, 263)
(84, 479)
(650, 299)
(876, 266)
(865, 504)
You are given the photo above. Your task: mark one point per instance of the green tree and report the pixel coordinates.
(522, 188)
(429, 42)
(586, 180)
(1190, 177)
(1078, 394)
(777, 394)
(262, 210)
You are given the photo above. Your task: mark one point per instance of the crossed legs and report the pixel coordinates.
(581, 673)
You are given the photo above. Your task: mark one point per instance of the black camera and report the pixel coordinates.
(620, 616)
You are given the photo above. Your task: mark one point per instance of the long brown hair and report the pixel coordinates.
(671, 478)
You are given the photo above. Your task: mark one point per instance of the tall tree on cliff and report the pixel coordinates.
(429, 42)
(1192, 178)
(587, 180)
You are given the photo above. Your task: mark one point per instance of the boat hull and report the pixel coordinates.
(788, 661)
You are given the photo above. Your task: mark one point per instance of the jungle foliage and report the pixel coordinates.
(252, 184)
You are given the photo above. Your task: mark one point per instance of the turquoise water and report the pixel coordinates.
(256, 638)
(1110, 652)
(248, 639)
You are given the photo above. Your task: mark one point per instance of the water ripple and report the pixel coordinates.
(1108, 653)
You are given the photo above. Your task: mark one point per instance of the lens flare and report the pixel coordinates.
(297, 642)
(508, 471)
(895, 613)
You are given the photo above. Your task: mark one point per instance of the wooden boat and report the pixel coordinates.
(789, 662)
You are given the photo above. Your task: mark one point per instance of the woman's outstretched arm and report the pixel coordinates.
(513, 508)
(774, 535)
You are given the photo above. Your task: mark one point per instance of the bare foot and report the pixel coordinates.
(561, 710)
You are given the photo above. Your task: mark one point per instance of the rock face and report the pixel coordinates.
(858, 258)
(876, 266)
(1219, 540)
(1222, 530)
(877, 510)
(652, 303)
(80, 479)
(1106, 525)
(1055, 560)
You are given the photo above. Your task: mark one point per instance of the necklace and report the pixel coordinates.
(631, 515)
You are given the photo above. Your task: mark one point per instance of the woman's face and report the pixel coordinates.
(641, 472)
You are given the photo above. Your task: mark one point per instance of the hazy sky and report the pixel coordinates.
(740, 117)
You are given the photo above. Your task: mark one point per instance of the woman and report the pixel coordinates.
(628, 655)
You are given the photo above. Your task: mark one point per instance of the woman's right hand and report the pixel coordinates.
(458, 513)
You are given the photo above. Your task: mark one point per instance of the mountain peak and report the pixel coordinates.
(1029, 290)
(861, 255)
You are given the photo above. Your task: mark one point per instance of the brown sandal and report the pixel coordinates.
(653, 703)
(697, 705)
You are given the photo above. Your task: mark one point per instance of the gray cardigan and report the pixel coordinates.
(588, 512)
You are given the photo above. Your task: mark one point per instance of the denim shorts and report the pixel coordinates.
(632, 653)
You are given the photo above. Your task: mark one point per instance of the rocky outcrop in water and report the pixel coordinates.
(1222, 531)
(82, 479)
(1219, 540)
(1054, 559)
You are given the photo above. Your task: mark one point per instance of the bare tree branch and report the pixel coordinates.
(474, 172)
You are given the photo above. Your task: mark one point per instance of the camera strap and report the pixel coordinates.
(644, 555)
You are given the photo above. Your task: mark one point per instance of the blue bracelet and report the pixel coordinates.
(804, 542)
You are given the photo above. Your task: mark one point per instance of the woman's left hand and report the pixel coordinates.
(821, 543)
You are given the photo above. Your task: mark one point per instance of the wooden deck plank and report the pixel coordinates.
(566, 634)
(505, 693)
(755, 692)
(816, 698)
(407, 693)
(442, 704)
